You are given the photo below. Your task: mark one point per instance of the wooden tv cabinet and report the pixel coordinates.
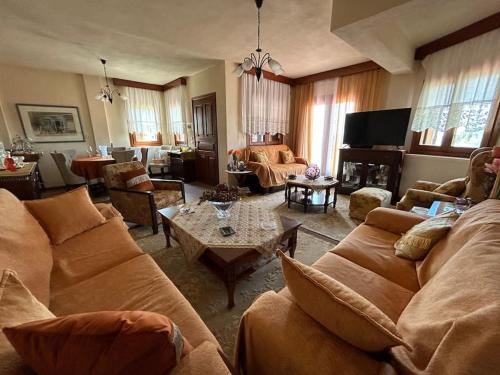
(366, 167)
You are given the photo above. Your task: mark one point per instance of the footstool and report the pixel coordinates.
(366, 199)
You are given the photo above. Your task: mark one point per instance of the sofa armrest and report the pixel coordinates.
(107, 210)
(426, 185)
(391, 220)
(274, 324)
(421, 198)
(300, 160)
(205, 359)
(163, 184)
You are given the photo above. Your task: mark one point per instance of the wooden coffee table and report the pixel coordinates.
(314, 193)
(230, 264)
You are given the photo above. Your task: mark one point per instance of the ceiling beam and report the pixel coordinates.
(468, 32)
(175, 83)
(345, 71)
(271, 76)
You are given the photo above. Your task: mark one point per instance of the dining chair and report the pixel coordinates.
(144, 157)
(63, 161)
(111, 149)
(123, 156)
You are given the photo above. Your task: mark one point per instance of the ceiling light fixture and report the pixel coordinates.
(255, 60)
(106, 94)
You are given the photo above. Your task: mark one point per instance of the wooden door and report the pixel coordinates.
(205, 133)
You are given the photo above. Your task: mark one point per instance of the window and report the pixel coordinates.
(143, 109)
(458, 106)
(178, 115)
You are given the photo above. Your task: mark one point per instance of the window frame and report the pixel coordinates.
(134, 142)
(490, 135)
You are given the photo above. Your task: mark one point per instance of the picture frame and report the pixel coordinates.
(51, 123)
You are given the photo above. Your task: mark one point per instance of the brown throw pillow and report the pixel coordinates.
(416, 243)
(106, 342)
(453, 187)
(339, 309)
(259, 157)
(287, 157)
(66, 215)
(137, 179)
(17, 306)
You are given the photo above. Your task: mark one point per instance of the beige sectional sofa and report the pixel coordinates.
(97, 270)
(446, 307)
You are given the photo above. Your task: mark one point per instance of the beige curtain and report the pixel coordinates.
(301, 120)
(363, 89)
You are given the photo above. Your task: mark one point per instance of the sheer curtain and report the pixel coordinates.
(178, 112)
(461, 88)
(265, 106)
(143, 110)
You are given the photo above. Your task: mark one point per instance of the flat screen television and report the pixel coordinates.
(366, 129)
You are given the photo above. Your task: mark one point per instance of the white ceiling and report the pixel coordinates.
(157, 41)
(161, 40)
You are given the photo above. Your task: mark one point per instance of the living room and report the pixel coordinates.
(165, 173)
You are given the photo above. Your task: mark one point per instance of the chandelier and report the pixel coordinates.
(256, 60)
(106, 94)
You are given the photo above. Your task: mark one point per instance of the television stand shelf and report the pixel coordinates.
(366, 167)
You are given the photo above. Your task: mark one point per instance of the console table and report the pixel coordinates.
(24, 183)
(366, 167)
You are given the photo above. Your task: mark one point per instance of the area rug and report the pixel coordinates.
(207, 293)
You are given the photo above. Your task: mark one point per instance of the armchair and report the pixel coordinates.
(141, 207)
(476, 185)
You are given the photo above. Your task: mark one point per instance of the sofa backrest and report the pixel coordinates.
(452, 323)
(24, 246)
(272, 151)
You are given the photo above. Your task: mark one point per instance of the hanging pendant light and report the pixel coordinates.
(256, 60)
(106, 94)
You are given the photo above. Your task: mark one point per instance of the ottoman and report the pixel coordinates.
(366, 199)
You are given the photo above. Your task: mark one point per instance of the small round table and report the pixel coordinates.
(315, 193)
(241, 176)
(90, 168)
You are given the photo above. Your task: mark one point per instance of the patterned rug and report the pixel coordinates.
(207, 293)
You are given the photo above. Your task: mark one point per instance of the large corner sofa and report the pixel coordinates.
(274, 174)
(446, 306)
(101, 269)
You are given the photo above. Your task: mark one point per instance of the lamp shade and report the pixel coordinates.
(247, 64)
(238, 71)
(275, 67)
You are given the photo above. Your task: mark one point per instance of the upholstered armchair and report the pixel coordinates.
(141, 207)
(476, 185)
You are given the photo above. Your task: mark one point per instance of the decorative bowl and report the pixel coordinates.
(312, 172)
(222, 208)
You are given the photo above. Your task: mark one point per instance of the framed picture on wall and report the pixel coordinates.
(51, 123)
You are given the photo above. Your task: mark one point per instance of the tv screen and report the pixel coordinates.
(387, 127)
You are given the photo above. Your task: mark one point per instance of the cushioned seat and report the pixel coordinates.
(137, 284)
(373, 249)
(366, 199)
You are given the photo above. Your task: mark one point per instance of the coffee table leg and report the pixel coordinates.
(289, 195)
(327, 199)
(292, 244)
(230, 281)
(334, 196)
(306, 199)
(166, 230)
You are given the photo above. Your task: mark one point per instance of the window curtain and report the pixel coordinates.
(143, 109)
(461, 88)
(319, 131)
(178, 112)
(265, 106)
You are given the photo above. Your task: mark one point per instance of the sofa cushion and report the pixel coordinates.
(340, 309)
(272, 151)
(388, 296)
(17, 306)
(416, 243)
(452, 323)
(137, 179)
(137, 284)
(274, 331)
(205, 359)
(66, 215)
(373, 249)
(287, 157)
(91, 253)
(24, 246)
(132, 342)
(453, 187)
(259, 157)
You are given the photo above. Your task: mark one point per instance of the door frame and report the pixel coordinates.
(199, 97)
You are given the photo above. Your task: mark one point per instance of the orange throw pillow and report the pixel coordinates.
(287, 157)
(66, 215)
(106, 342)
(340, 309)
(137, 179)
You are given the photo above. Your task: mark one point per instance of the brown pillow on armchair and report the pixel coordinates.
(105, 342)
(137, 179)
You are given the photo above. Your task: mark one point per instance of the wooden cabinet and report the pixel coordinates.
(182, 166)
(23, 183)
(361, 167)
